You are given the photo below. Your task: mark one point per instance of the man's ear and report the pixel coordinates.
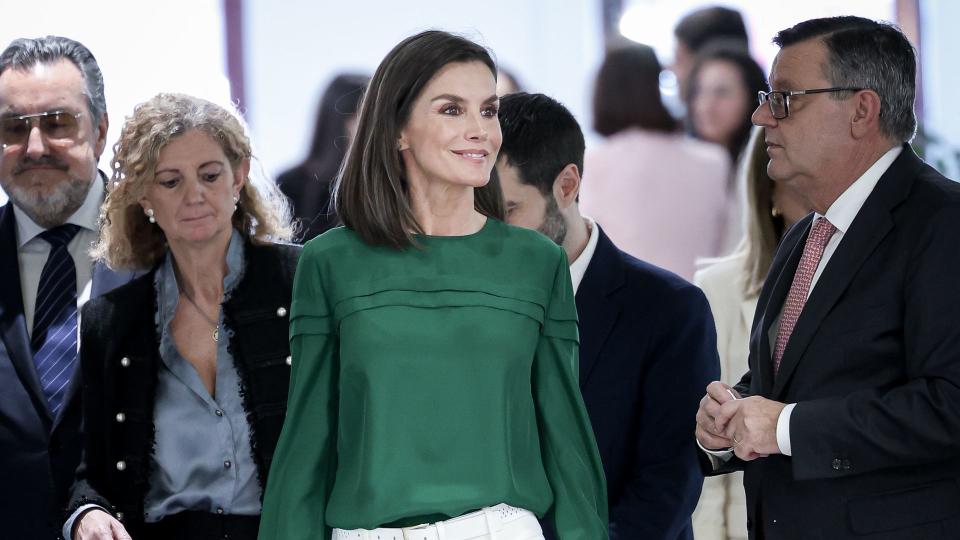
(566, 186)
(101, 134)
(866, 114)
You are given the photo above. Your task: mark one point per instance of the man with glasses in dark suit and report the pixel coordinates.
(847, 424)
(53, 128)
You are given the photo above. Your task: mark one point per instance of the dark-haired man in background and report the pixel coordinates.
(847, 425)
(703, 28)
(647, 339)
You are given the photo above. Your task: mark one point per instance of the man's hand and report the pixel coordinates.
(751, 424)
(98, 525)
(707, 432)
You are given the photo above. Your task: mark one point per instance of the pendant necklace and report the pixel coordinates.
(211, 322)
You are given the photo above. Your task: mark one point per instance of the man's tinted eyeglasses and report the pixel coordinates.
(56, 126)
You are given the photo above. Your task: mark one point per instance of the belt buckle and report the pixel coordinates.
(405, 530)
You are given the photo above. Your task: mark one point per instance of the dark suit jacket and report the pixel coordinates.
(874, 367)
(647, 352)
(38, 453)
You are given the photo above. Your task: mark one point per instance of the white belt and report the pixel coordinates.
(482, 522)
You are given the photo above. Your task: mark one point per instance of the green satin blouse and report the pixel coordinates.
(431, 382)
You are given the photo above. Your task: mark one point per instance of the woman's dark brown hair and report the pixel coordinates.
(627, 92)
(371, 193)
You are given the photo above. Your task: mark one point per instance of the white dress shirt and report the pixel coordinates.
(579, 266)
(32, 252)
(841, 214)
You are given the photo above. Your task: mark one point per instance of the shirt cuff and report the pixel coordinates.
(783, 430)
(717, 457)
(68, 526)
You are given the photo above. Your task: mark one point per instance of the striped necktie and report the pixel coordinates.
(54, 339)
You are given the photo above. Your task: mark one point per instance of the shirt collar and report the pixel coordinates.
(579, 266)
(843, 210)
(87, 216)
(166, 279)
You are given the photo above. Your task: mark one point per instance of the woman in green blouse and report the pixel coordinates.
(434, 387)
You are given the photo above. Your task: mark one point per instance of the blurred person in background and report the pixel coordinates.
(647, 341)
(661, 195)
(186, 368)
(507, 82)
(722, 95)
(434, 387)
(309, 184)
(732, 285)
(697, 29)
(723, 88)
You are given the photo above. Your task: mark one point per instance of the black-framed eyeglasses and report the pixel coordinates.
(56, 126)
(779, 100)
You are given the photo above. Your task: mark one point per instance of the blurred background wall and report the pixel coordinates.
(291, 53)
(276, 57)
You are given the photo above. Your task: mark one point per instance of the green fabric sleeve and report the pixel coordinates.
(304, 465)
(568, 447)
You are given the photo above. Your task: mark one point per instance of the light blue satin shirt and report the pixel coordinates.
(202, 456)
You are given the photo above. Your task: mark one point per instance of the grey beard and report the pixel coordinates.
(50, 210)
(553, 226)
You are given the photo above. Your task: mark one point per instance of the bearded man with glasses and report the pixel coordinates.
(53, 128)
(847, 424)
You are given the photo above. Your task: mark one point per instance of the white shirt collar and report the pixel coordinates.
(579, 266)
(86, 216)
(848, 204)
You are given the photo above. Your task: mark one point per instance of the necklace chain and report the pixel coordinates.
(211, 322)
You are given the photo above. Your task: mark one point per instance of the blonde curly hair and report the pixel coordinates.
(127, 239)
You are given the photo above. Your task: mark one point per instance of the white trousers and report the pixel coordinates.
(500, 522)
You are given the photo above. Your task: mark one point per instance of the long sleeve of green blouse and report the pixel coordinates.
(432, 382)
(307, 447)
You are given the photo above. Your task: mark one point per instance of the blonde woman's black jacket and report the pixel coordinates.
(120, 359)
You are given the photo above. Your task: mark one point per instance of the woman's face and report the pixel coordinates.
(719, 105)
(193, 189)
(453, 134)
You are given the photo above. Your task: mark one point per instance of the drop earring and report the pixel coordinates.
(149, 213)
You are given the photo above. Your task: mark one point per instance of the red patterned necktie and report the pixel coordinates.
(812, 252)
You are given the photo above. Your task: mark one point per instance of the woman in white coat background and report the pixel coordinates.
(732, 285)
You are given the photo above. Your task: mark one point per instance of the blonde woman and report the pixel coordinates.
(185, 369)
(732, 285)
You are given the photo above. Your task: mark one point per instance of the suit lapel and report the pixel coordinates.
(13, 325)
(596, 308)
(871, 225)
(783, 278)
